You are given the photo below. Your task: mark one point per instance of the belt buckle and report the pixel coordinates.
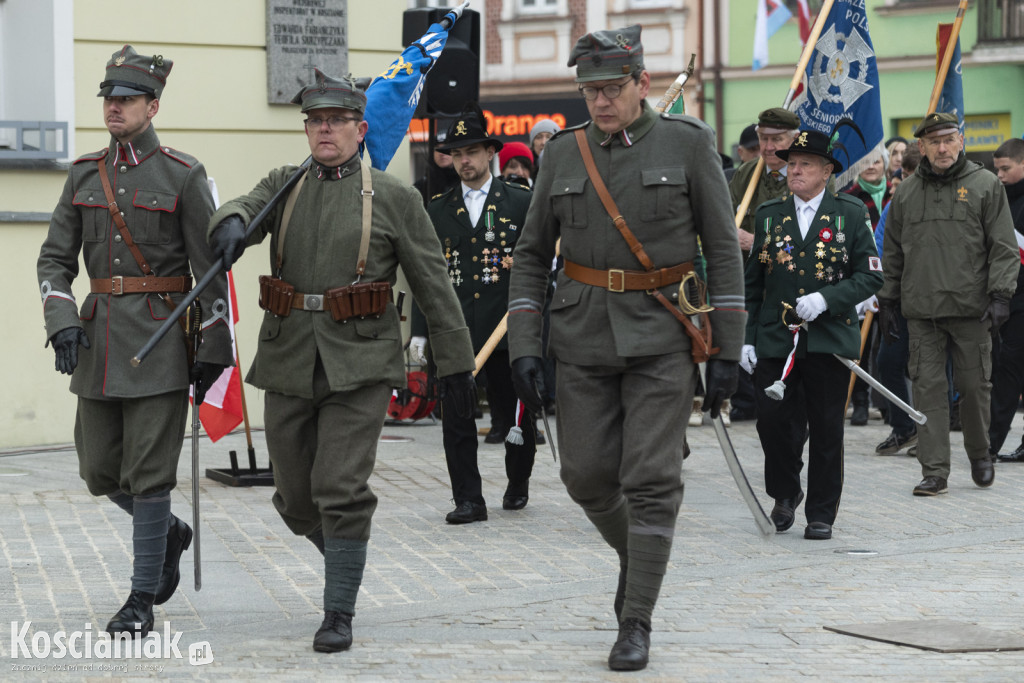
(312, 302)
(117, 285)
(612, 273)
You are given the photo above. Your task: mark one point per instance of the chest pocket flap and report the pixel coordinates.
(567, 202)
(662, 188)
(155, 201)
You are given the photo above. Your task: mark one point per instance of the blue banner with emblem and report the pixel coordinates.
(392, 96)
(951, 99)
(841, 81)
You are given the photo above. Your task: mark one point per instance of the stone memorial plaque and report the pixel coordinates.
(301, 35)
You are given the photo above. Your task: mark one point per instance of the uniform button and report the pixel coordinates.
(477, 277)
(473, 240)
(121, 191)
(847, 321)
(477, 295)
(802, 254)
(801, 290)
(117, 262)
(833, 259)
(503, 243)
(664, 179)
(566, 189)
(475, 259)
(90, 198)
(801, 272)
(123, 169)
(154, 202)
(117, 238)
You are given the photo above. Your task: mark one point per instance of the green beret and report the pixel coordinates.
(129, 73)
(937, 122)
(331, 92)
(777, 120)
(608, 55)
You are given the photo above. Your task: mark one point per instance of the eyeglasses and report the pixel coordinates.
(611, 91)
(331, 121)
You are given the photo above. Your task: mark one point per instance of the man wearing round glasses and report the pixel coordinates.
(626, 375)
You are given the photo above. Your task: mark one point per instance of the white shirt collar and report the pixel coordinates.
(485, 188)
(814, 203)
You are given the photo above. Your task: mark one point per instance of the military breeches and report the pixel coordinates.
(323, 451)
(968, 343)
(131, 445)
(620, 436)
(461, 444)
(824, 381)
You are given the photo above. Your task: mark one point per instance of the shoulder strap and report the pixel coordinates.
(609, 204)
(364, 241)
(289, 206)
(118, 217)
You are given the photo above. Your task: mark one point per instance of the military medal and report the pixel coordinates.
(825, 234)
(506, 262)
(489, 224)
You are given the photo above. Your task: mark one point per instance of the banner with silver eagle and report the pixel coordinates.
(841, 81)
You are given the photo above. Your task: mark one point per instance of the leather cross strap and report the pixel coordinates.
(626, 280)
(700, 348)
(118, 285)
(118, 217)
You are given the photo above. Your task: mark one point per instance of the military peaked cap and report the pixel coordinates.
(329, 92)
(129, 73)
(608, 55)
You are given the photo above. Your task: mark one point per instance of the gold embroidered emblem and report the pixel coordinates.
(460, 129)
(461, 210)
(961, 194)
(504, 220)
(801, 140)
(492, 207)
(787, 218)
(825, 218)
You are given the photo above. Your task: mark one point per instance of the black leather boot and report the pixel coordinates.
(335, 634)
(631, 650)
(179, 538)
(135, 617)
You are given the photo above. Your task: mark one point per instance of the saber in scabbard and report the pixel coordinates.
(194, 330)
(676, 89)
(217, 268)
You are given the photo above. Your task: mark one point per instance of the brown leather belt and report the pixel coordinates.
(615, 280)
(118, 285)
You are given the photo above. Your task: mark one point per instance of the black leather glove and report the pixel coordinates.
(998, 311)
(65, 346)
(228, 240)
(458, 392)
(203, 376)
(528, 381)
(888, 322)
(721, 379)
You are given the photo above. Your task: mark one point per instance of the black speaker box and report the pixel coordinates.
(455, 78)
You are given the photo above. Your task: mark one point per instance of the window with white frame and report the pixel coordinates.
(538, 6)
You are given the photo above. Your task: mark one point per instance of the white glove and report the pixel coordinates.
(418, 350)
(867, 305)
(811, 306)
(748, 359)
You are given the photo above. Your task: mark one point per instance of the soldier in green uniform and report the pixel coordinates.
(626, 374)
(776, 128)
(478, 223)
(814, 253)
(139, 256)
(951, 260)
(330, 346)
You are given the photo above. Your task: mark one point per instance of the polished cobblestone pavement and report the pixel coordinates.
(526, 596)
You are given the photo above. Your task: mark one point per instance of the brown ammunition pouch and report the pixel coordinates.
(276, 295)
(365, 300)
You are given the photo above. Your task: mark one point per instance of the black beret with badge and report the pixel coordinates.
(129, 73)
(327, 92)
(937, 123)
(608, 55)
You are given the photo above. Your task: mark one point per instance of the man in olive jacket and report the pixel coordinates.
(951, 262)
(478, 222)
(131, 420)
(330, 354)
(626, 376)
(814, 260)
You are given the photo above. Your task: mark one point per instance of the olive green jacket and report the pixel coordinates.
(480, 279)
(320, 253)
(837, 259)
(949, 242)
(166, 201)
(767, 188)
(666, 178)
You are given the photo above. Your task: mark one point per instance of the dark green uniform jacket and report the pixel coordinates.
(666, 178)
(320, 253)
(949, 242)
(479, 267)
(166, 202)
(837, 258)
